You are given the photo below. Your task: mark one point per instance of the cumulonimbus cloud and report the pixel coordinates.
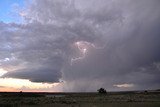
(42, 45)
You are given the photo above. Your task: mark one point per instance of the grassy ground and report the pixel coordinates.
(118, 99)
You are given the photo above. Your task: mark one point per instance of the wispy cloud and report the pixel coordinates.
(124, 85)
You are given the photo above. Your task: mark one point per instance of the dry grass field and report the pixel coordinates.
(111, 99)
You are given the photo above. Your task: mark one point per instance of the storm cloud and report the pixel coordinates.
(41, 48)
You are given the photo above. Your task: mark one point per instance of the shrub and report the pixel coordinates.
(102, 91)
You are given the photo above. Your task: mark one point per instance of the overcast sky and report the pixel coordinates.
(82, 45)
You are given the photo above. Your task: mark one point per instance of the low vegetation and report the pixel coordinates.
(81, 99)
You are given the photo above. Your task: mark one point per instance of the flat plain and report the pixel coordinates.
(88, 99)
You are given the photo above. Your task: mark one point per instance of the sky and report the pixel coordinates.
(79, 45)
(8, 10)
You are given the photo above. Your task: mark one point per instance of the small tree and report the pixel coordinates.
(102, 91)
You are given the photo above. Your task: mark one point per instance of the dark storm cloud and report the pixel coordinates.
(41, 49)
(36, 75)
(135, 45)
(44, 41)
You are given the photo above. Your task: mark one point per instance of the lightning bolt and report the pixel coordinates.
(83, 47)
